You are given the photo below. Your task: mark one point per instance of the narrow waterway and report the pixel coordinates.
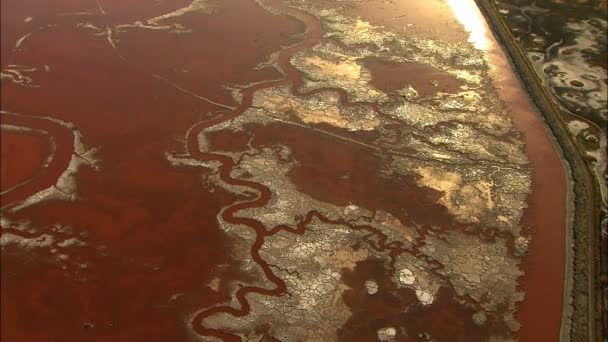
(114, 212)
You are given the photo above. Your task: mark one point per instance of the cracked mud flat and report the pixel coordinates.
(320, 175)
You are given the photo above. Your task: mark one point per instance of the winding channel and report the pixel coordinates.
(546, 214)
(544, 265)
(313, 35)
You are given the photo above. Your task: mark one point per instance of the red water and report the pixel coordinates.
(63, 141)
(150, 227)
(545, 218)
(22, 154)
(424, 78)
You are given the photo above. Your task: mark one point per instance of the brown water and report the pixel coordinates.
(541, 312)
(150, 227)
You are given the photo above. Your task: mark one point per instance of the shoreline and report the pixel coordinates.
(582, 215)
